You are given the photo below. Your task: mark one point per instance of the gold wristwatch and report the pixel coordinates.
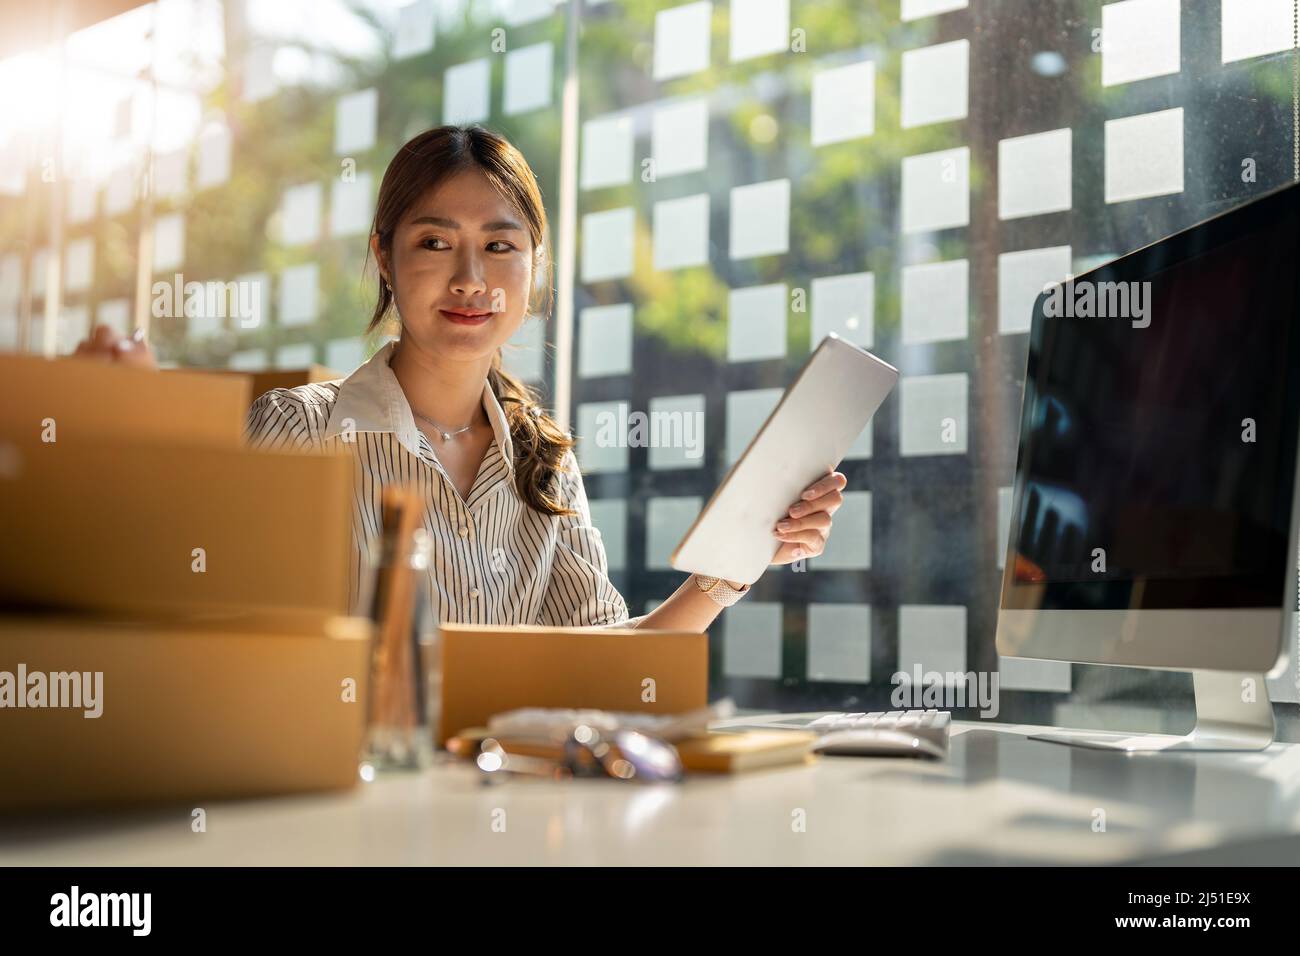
(719, 591)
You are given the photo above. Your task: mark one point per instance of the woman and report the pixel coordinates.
(459, 241)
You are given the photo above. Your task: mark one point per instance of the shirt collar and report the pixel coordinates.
(374, 401)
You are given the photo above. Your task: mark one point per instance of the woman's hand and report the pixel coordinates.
(107, 346)
(804, 530)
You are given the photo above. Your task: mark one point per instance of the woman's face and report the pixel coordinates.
(461, 269)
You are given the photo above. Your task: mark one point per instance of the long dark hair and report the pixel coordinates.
(431, 157)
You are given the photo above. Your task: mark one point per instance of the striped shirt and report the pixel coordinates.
(494, 559)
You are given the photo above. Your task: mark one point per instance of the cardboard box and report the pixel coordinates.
(193, 714)
(488, 670)
(150, 528)
(263, 382)
(90, 399)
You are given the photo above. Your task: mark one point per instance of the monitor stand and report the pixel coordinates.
(1224, 721)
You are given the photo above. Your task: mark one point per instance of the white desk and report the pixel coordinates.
(999, 798)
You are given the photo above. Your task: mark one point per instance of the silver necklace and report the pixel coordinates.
(446, 435)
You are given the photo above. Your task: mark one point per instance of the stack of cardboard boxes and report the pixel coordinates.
(173, 606)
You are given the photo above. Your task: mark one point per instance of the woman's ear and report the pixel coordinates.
(381, 261)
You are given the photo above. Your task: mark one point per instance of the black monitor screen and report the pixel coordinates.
(1158, 441)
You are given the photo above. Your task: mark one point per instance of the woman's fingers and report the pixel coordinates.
(803, 532)
(800, 544)
(817, 521)
(829, 503)
(835, 481)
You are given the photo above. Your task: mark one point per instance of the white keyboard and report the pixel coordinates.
(932, 725)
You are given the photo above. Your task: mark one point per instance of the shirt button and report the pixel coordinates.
(463, 531)
(474, 592)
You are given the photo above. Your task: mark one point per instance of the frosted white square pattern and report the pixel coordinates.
(666, 522)
(849, 546)
(298, 355)
(609, 517)
(249, 360)
(746, 412)
(1144, 155)
(355, 118)
(607, 244)
(756, 323)
(414, 34)
(844, 103)
(751, 640)
(79, 264)
(528, 79)
(1253, 28)
(682, 40)
(39, 269)
(933, 415)
(11, 281)
(300, 214)
(1034, 174)
(681, 232)
(214, 155)
(844, 305)
(169, 174)
(256, 286)
(350, 206)
(759, 27)
(936, 190)
(519, 12)
(259, 73)
(116, 314)
(522, 355)
(205, 321)
(676, 432)
(839, 643)
(605, 340)
(936, 302)
(1021, 277)
(298, 294)
(760, 219)
(345, 356)
(83, 195)
(935, 81)
(606, 151)
(120, 190)
(1139, 39)
(933, 636)
(168, 242)
(679, 137)
(915, 9)
(465, 92)
(602, 436)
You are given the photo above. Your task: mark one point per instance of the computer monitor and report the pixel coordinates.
(1152, 519)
